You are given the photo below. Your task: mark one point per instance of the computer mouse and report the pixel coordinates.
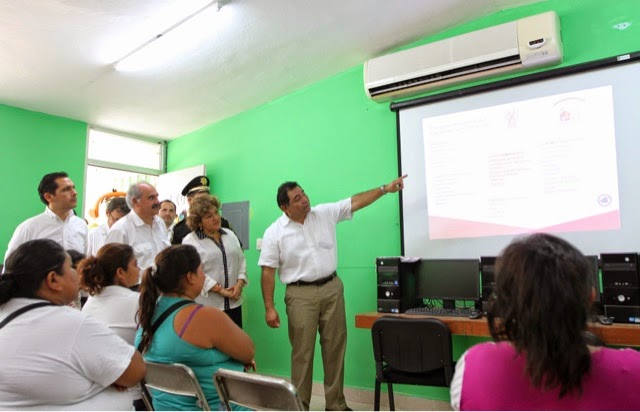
(475, 314)
(605, 320)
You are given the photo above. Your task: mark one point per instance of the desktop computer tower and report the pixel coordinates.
(594, 269)
(620, 279)
(396, 284)
(488, 280)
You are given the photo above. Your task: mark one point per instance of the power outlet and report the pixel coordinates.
(622, 26)
(259, 243)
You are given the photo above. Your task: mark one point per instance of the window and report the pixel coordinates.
(126, 153)
(114, 162)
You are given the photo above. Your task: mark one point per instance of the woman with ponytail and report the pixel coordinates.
(175, 329)
(54, 356)
(107, 278)
(540, 359)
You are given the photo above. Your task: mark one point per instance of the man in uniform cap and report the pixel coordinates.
(199, 184)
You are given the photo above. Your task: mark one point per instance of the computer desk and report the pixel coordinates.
(618, 334)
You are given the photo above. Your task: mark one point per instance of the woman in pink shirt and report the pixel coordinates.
(540, 360)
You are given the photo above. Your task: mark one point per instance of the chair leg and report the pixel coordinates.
(146, 396)
(392, 405)
(376, 396)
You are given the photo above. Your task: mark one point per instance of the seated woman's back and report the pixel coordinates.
(168, 347)
(538, 315)
(494, 379)
(116, 307)
(202, 338)
(107, 278)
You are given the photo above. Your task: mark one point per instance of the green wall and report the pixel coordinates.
(34, 144)
(330, 138)
(335, 142)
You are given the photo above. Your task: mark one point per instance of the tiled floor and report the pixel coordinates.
(362, 400)
(317, 404)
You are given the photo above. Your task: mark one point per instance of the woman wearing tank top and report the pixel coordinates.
(186, 336)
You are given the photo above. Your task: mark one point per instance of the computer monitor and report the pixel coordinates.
(488, 275)
(449, 280)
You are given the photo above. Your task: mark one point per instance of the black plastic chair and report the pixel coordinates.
(416, 351)
(592, 339)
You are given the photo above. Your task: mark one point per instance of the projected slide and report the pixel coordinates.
(544, 164)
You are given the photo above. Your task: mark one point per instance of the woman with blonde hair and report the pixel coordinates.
(222, 257)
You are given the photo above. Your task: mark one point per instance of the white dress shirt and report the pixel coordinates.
(146, 240)
(306, 252)
(170, 231)
(71, 233)
(213, 265)
(97, 237)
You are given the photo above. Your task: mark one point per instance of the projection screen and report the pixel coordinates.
(558, 152)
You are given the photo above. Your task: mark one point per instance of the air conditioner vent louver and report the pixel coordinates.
(526, 43)
(447, 74)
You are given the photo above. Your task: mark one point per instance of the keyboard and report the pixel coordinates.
(457, 312)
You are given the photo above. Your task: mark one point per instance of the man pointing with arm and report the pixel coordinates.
(302, 246)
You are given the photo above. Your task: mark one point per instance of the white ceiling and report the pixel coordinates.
(56, 55)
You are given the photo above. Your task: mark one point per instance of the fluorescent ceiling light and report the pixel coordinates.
(157, 47)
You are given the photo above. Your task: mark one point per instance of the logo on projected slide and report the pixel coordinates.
(511, 116)
(570, 109)
(604, 200)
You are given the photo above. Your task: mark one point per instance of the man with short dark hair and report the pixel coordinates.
(167, 212)
(116, 209)
(168, 215)
(141, 229)
(58, 222)
(302, 246)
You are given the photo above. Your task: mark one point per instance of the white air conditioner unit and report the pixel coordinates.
(522, 44)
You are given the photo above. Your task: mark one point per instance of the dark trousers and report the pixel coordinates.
(236, 315)
(139, 405)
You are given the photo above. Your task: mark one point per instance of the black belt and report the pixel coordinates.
(318, 282)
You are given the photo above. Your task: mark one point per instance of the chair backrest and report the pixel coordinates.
(175, 378)
(414, 345)
(592, 339)
(255, 391)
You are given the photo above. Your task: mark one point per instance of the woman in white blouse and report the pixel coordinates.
(107, 277)
(53, 357)
(221, 255)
